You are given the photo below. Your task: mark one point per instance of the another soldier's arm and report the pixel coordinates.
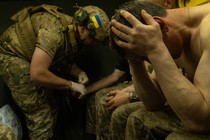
(106, 81)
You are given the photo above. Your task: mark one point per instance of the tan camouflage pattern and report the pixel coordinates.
(35, 102)
(143, 124)
(93, 104)
(6, 133)
(90, 114)
(187, 136)
(118, 121)
(50, 38)
(134, 122)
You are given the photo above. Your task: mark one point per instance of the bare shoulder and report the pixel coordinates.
(205, 32)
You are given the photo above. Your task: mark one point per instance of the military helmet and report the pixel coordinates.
(95, 19)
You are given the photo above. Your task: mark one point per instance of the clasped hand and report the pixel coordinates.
(116, 98)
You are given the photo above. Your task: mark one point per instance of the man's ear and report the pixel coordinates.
(162, 24)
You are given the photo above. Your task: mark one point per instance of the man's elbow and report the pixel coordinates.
(200, 126)
(35, 76)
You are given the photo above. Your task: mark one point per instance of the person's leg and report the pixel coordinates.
(92, 103)
(148, 125)
(103, 115)
(186, 136)
(119, 120)
(32, 100)
(90, 114)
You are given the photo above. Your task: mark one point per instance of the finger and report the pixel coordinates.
(123, 28)
(148, 18)
(111, 93)
(109, 98)
(130, 18)
(122, 44)
(109, 103)
(112, 107)
(120, 33)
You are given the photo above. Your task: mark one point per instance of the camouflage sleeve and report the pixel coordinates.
(49, 33)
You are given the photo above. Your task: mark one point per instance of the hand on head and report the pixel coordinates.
(139, 39)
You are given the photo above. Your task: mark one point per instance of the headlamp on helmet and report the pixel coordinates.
(95, 19)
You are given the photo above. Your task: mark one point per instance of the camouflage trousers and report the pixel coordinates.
(6, 133)
(145, 125)
(31, 98)
(94, 107)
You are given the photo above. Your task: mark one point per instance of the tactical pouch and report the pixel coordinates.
(24, 27)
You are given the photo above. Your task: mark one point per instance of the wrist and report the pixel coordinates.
(133, 97)
(70, 84)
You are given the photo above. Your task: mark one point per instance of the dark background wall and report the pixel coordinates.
(9, 7)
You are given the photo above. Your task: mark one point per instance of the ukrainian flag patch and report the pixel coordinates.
(96, 21)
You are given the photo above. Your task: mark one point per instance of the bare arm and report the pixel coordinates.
(106, 81)
(190, 101)
(129, 89)
(145, 87)
(39, 71)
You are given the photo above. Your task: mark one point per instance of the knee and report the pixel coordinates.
(133, 120)
(117, 115)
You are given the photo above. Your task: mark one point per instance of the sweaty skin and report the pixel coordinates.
(187, 40)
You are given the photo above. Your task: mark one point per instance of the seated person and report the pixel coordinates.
(119, 78)
(118, 96)
(174, 102)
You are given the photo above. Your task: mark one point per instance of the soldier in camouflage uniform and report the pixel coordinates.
(120, 74)
(172, 106)
(106, 103)
(41, 39)
(92, 110)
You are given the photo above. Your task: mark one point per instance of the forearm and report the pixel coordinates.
(181, 94)
(145, 87)
(51, 80)
(105, 82)
(129, 89)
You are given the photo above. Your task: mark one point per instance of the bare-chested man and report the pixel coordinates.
(176, 101)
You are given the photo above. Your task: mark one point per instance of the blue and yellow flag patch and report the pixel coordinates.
(96, 21)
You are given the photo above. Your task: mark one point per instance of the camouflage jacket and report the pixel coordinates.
(50, 36)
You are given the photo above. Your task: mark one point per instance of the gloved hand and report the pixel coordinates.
(82, 78)
(80, 88)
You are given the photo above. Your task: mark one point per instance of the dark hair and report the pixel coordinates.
(134, 7)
